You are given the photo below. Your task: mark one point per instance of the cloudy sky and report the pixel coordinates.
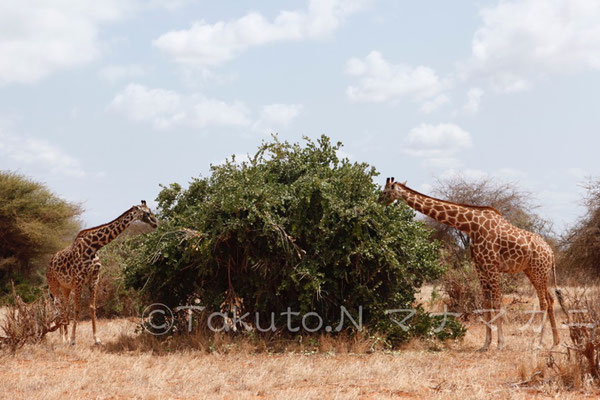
(102, 101)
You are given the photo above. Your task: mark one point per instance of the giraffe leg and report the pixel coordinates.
(490, 286)
(550, 299)
(54, 288)
(546, 306)
(541, 292)
(77, 301)
(93, 288)
(487, 314)
(497, 307)
(65, 313)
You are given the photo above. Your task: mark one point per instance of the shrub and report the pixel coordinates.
(578, 368)
(295, 226)
(26, 323)
(583, 320)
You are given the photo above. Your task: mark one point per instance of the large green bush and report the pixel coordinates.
(295, 226)
(34, 223)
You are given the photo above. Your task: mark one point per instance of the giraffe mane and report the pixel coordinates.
(450, 202)
(84, 231)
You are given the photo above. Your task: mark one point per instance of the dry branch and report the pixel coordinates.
(27, 323)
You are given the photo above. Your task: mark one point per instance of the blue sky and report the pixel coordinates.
(102, 101)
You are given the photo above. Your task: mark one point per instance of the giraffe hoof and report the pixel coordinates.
(98, 342)
(483, 349)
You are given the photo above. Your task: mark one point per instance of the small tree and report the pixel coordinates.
(34, 223)
(295, 227)
(581, 244)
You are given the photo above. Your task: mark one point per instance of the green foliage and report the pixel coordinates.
(35, 224)
(295, 226)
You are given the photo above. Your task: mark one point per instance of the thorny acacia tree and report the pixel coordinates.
(34, 223)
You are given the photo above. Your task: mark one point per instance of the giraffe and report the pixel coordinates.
(78, 265)
(497, 247)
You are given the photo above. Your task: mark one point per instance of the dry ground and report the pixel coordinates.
(455, 371)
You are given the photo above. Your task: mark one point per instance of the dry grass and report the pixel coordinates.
(126, 369)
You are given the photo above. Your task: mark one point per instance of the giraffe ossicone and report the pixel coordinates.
(497, 246)
(78, 265)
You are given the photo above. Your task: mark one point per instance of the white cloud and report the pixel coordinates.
(114, 73)
(437, 144)
(280, 114)
(474, 96)
(428, 140)
(380, 81)
(38, 38)
(521, 41)
(275, 116)
(467, 173)
(432, 105)
(166, 109)
(207, 44)
(36, 153)
(170, 5)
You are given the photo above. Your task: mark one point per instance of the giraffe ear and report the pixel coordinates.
(403, 183)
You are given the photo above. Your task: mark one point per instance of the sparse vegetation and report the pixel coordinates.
(24, 323)
(583, 320)
(580, 253)
(576, 365)
(133, 365)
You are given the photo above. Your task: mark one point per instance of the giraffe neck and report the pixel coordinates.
(102, 235)
(456, 215)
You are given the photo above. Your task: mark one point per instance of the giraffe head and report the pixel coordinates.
(144, 214)
(390, 192)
